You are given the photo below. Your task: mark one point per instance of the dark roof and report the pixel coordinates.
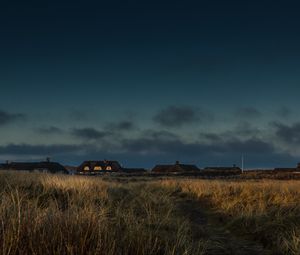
(175, 168)
(52, 167)
(103, 163)
(161, 168)
(286, 169)
(223, 168)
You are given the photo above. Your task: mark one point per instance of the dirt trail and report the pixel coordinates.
(221, 240)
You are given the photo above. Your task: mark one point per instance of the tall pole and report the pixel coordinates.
(243, 163)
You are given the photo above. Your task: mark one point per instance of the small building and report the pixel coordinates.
(45, 167)
(287, 169)
(233, 170)
(93, 167)
(176, 168)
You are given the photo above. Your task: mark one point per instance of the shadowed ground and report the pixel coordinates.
(206, 224)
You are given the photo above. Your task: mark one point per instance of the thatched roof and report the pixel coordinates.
(286, 169)
(222, 171)
(103, 164)
(176, 168)
(217, 168)
(51, 167)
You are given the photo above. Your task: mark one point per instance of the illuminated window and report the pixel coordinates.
(86, 168)
(108, 168)
(97, 168)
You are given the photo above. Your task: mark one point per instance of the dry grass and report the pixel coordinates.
(267, 210)
(49, 214)
(41, 214)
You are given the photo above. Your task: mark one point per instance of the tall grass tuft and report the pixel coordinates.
(48, 214)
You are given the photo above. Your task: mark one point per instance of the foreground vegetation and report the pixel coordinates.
(47, 214)
(266, 211)
(52, 214)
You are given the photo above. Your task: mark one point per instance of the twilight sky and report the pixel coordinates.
(147, 82)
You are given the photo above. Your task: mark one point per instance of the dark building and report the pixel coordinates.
(176, 168)
(105, 166)
(45, 167)
(223, 170)
(97, 166)
(286, 169)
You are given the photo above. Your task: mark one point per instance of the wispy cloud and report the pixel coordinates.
(177, 116)
(89, 133)
(124, 125)
(248, 113)
(52, 130)
(7, 117)
(288, 133)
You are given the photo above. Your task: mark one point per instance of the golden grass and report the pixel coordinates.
(53, 214)
(48, 214)
(267, 210)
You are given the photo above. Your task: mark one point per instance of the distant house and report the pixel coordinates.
(97, 166)
(286, 169)
(105, 166)
(45, 167)
(176, 168)
(223, 170)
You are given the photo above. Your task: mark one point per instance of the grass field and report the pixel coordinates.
(53, 214)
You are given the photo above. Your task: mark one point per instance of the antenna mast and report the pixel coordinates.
(243, 163)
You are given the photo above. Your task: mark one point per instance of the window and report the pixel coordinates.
(108, 168)
(86, 168)
(97, 168)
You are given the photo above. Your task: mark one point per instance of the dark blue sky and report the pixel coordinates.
(150, 81)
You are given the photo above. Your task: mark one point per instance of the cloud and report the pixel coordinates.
(150, 141)
(50, 130)
(177, 116)
(242, 130)
(120, 126)
(284, 112)
(245, 128)
(29, 149)
(89, 133)
(211, 137)
(259, 153)
(288, 134)
(7, 118)
(177, 146)
(159, 134)
(248, 113)
(154, 147)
